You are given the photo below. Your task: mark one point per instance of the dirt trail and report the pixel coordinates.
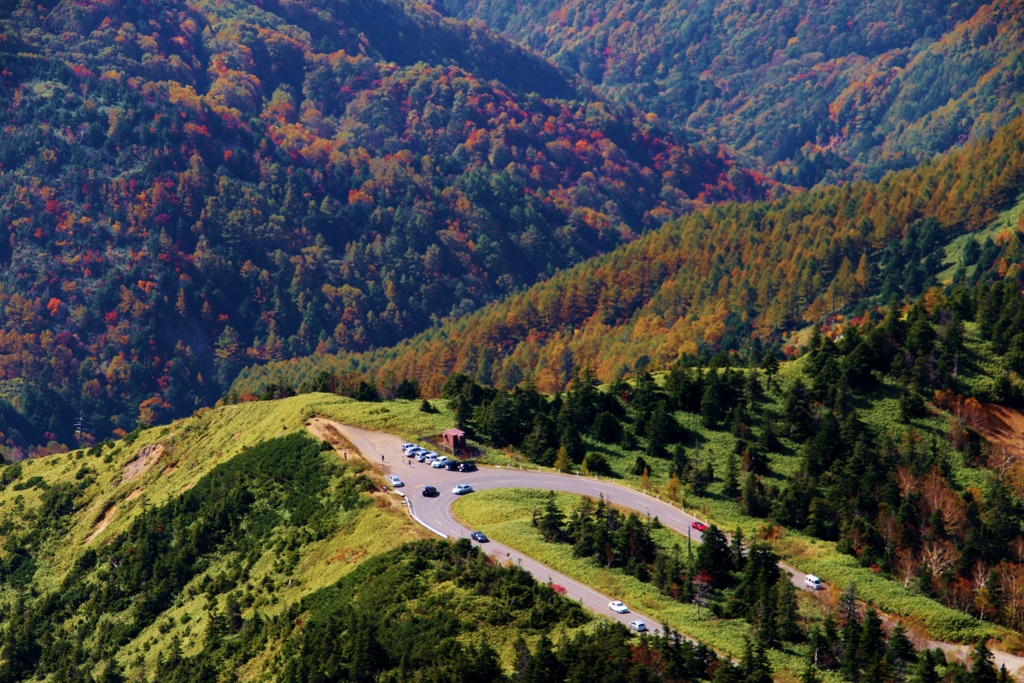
(142, 461)
(327, 430)
(378, 449)
(108, 517)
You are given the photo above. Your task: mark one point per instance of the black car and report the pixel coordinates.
(478, 536)
(429, 491)
(452, 465)
(467, 467)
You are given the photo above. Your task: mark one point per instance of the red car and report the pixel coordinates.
(700, 526)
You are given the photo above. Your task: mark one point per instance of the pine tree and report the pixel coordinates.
(770, 367)
(680, 463)
(732, 480)
(753, 499)
(552, 521)
(714, 556)
(982, 669)
(787, 616)
(562, 462)
(754, 664)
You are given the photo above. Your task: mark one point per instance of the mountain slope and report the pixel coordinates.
(188, 188)
(265, 557)
(813, 90)
(717, 279)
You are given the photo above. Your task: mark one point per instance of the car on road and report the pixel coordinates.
(700, 526)
(617, 606)
(429, 491)
(467, 467)
(638, 626)
(479, 537)
(813, 582)
(461, 489)
(395, 481)
(439, 462)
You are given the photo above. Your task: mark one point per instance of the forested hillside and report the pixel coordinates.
(191, 188)
(725, 279)
(812, 90)
(194, 554)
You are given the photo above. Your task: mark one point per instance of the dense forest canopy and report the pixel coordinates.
(191, 188)
(721, 279)
(809, 90)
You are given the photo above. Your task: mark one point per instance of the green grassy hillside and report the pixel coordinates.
(233, 544)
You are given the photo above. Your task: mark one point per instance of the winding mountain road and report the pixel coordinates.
(384, 451)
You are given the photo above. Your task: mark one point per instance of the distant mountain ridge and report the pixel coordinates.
(823, 90)
(188, 188)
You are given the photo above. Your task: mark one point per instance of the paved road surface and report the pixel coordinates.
(384, 451)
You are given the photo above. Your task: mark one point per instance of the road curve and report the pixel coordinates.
(384, 451)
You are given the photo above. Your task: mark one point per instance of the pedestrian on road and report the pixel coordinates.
(382, 458)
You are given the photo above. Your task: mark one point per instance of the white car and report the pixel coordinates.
(638, 626)
(395, 481)
(439, 462)
(462, 488)
(617, 606)
(421, 457)
(408, 446)
(813, 582)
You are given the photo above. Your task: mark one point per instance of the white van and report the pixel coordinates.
(813, 582)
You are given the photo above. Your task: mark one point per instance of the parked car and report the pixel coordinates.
(813, 582)
(421, 457)
(638, 626)
(408, 446)
(700, 526)
(429, 491)
(439, 462)
(467, 467)
(395, 481)
(461, 489)
(452, 465)
(617, 606)
(479, 537)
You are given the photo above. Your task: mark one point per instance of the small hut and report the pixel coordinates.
(455, 441)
